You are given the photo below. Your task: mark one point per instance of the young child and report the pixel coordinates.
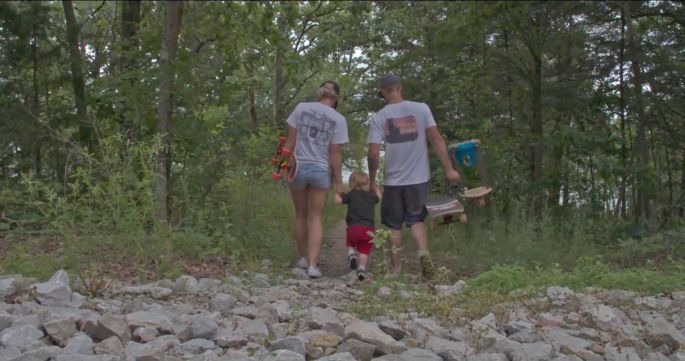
(360, 220)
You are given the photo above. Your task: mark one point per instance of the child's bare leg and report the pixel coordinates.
(363, 260)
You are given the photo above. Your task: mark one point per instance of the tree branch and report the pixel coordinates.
(297, 90)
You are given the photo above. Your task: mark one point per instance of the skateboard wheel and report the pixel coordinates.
(275, 176)
(463, 218)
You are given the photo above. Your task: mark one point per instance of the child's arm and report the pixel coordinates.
(340, 198)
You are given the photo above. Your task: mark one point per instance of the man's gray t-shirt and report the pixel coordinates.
(402, 127)
(318, 126)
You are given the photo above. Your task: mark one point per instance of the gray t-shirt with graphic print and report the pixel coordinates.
(402, 127)
(318, 126)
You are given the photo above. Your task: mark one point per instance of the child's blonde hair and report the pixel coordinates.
(359, 180)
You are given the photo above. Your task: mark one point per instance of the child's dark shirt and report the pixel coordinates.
(360, 207)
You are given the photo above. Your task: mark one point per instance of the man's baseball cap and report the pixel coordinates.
(388, 80)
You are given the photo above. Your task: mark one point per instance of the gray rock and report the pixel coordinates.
(448, 350)
(231, 338)
(222, 303)
(341, 356)
(678, 356)
(60, 330)
(6, 321)
(455, 288)
(71, 357)
(621, 354)
(362, 351)
(245, 311)
(208, 284)
(326, 319)
(20, 336)
(145, 352)
(659, 332)
(559, 295)
(149, 319)
(281, 309)
(186, 284)
(603, 317)
(7, 287)
(537, 351)
(261, 280)
(370, 333)
(55, 289)
(518, 326)
(39, 354)
(293, 343)
(160, 293)
(422, 328)
(110, 346)
(547, 319)
(526, 336)
(8, 353)
(567, 358)
(418, 354)
(79, 344)
(198, 345)
(656, 356)
(254, 328)
(392, 329)
(487, 357)
(145, 334)
(284, 355)
(564, 342)
(389, 357)
(202, 326)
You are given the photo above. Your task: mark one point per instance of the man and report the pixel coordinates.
(404, 126)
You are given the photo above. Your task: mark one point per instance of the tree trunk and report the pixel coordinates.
(681, 212)
(35, 101)
(76, 60)
(641, 150)
(537, 130)
(172, 27)
(621, 209)
(279, 112)
(253, 102)
(130, 42)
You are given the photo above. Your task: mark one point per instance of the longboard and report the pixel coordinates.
(477, 193)
(446, 207)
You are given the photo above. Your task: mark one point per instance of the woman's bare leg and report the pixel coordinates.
(317, 202)
(301, 215)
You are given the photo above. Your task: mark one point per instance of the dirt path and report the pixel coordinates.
(333, 251)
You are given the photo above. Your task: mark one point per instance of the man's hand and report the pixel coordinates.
(453, 176)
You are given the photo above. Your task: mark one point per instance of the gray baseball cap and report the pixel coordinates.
(388, 80)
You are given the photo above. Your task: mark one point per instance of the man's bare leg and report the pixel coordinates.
(395, 244)
(420, 235)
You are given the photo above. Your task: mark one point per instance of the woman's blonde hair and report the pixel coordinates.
(358, 180)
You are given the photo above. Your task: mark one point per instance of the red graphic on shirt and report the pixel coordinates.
(401, 130)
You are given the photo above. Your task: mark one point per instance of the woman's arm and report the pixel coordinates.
(291, 138)
(335, 156)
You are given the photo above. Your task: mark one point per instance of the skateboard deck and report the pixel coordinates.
(446, 207)
(476, 192)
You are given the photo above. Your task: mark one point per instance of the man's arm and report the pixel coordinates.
(335, 156)
(373, 159)
(441, 151)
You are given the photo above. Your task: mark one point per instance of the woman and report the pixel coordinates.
(317, 132)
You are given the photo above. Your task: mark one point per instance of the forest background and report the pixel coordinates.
(136, 136)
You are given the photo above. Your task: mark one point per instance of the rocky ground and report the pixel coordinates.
(291, 318)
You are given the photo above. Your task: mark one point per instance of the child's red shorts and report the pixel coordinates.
(358, 237)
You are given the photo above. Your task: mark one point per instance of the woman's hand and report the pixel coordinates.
(339, 188)
(337, 199)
